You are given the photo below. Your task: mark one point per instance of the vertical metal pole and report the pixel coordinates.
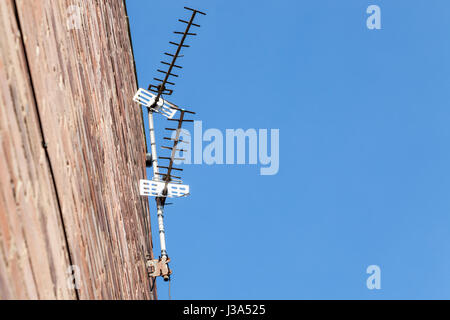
(162, 233)
(153, 145)
(159, 202)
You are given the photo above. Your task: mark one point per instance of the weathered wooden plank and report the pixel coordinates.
(33, 256)
(83, 79)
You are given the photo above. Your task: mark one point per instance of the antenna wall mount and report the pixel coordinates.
(159, 268)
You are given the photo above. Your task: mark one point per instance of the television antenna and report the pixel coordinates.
(165, 184)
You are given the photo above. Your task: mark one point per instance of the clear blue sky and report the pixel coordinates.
(364, 119)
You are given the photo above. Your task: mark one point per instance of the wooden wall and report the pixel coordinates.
(67, 79)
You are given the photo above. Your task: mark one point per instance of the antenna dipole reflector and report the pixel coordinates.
(161, 88)
(197, 11)
(187, 22)
(147, 99)
(152, 188)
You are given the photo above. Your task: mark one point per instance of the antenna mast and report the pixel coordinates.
(164, 185)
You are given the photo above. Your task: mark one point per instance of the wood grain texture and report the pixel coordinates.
(83, 81)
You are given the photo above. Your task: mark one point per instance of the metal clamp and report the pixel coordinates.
(159, 268)
(148, 160)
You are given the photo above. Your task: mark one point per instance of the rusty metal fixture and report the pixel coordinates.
(159, 268)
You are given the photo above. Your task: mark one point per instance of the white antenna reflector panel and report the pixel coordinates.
(147, 99)
(177, 190)
(151, 188)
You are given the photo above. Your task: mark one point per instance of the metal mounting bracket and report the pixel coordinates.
(159, 268)
(147, 99)
(152, 188)
(148, 160)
